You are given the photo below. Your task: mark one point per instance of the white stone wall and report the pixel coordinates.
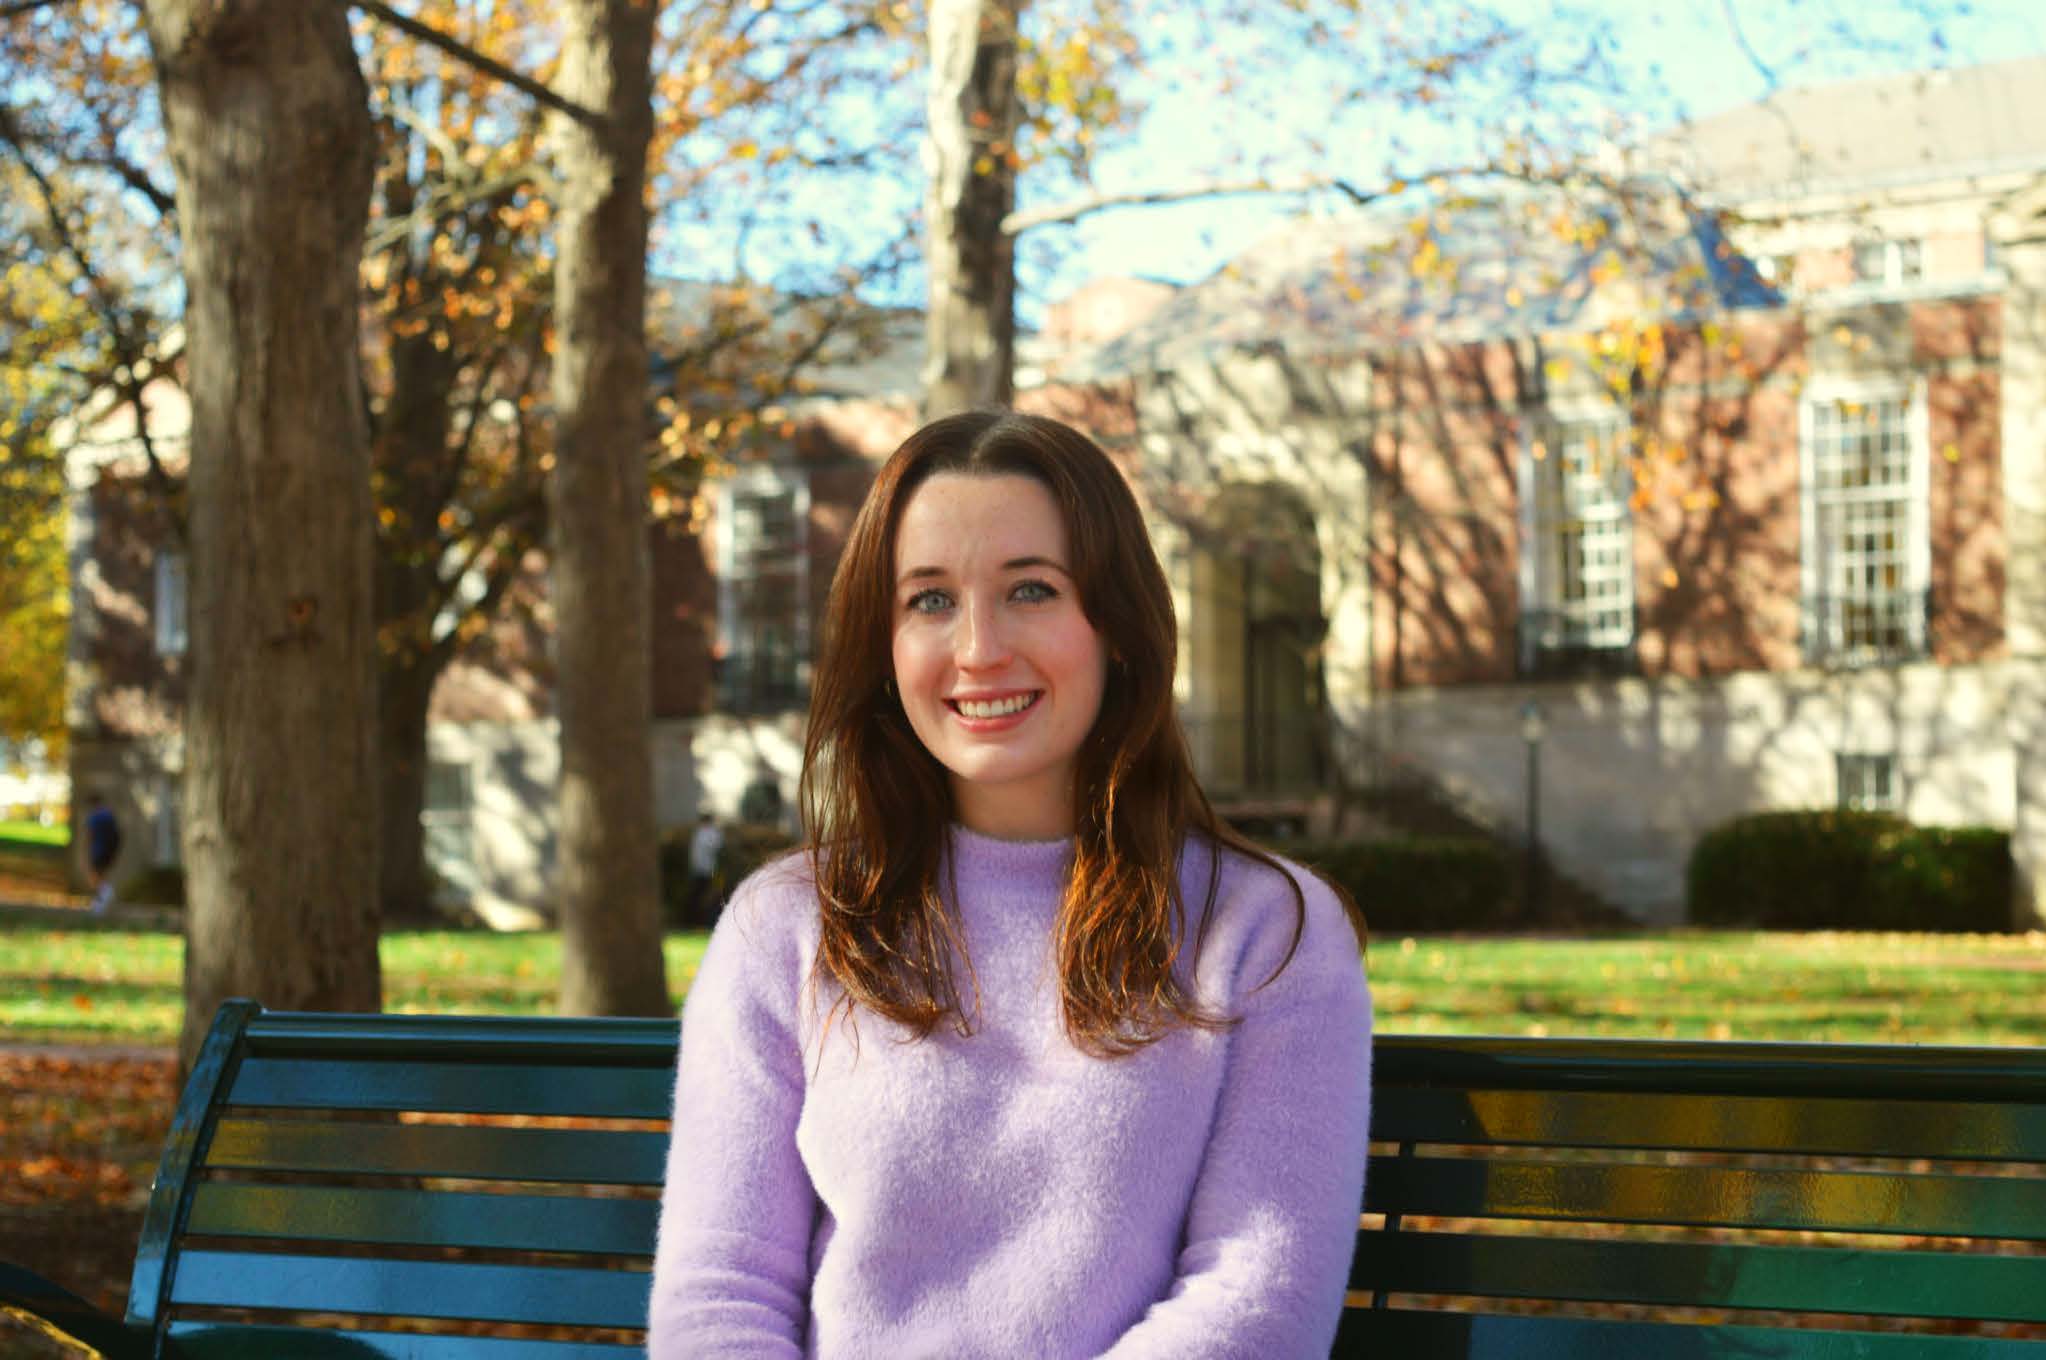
(708, 763)
(1632, 772)
(514, 768)
(2020, 231)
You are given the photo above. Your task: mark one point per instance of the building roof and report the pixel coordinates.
(1521, 264)
(1846, 134)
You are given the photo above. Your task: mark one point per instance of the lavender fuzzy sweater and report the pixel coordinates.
(1003, 1194)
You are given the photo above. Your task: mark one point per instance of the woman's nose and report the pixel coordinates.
(981, 641)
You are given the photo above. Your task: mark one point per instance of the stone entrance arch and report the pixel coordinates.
(1256, 710)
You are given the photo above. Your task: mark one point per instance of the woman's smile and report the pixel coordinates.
(982, 710)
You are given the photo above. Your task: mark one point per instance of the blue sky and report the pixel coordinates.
(1678, 56)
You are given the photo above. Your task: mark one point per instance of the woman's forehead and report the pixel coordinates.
(956, 516)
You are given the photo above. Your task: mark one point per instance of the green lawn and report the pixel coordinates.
(88, 985)
(109, 985)
(15, 834)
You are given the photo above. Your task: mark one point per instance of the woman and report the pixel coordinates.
(1029, 1055)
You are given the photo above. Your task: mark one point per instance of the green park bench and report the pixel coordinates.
(444, 1188)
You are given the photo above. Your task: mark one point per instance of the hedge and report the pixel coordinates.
(1832, 870)
(746, 848)
(1418, 883)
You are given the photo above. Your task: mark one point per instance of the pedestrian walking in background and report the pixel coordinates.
(102, 848)
(706, 843)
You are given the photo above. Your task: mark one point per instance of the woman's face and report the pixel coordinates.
(998, 669)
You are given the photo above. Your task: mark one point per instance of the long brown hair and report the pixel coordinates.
(878, 804)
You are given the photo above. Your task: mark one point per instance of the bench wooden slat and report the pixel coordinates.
(570, 1040)
(1798, 1072)
(1726, 1196)
(1709, 1275)
(560, 1223)
(453, 1087)
(1372, 1335)
(1594, 1119)
(564, 1295)
(476, 1152)
(212, 1341)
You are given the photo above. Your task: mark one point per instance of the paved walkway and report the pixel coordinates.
(77, 913)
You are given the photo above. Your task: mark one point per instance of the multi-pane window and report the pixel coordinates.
(763, 583)
(164, 825)
(169, 612)
(1779, 270)
(1877, 260)
(1580, 589)
(447, 821)
(1868, 783)
(1864, 516)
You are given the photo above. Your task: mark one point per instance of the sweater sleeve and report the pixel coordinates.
(1273, 1218)
(731, 1261)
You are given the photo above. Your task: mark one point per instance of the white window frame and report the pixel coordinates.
(448, 825)
(171, 603)
(1541, 573)
(1852, 768)
(763, 481)
(1893, 250)
(1832, 648)
(165, 828)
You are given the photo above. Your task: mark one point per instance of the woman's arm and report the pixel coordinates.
(1273, 1219)
(731, 1266)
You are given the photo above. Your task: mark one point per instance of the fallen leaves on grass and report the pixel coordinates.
(80, 1136)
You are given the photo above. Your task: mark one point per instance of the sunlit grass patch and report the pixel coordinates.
(18, 833)
(1833, 986)
(108, 985)
(117, 985)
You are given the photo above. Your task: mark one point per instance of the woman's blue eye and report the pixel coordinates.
(928, 601)
(1034, 592)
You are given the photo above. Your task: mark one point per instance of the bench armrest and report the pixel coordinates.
(55, 1309)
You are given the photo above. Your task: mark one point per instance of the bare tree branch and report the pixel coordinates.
(129, 173)
(19, 7)
(136, 178)
(461, 52)
(1740, 36)
(1016, 223)
(130, 351)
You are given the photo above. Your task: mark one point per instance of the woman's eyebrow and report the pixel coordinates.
(1018, 563)
(919, 574)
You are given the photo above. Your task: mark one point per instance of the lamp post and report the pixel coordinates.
(1533, 725)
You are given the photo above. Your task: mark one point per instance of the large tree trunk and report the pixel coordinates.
(404, 689)
(610, 908)
(970, 186)
(269, 130)
(410, 454)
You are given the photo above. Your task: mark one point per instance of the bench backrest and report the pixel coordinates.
(454, 1188)
(513, 1167)
(1537, 1198)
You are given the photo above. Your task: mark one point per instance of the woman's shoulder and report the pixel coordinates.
(1252, 876)
(774, 905)
(1266, 904)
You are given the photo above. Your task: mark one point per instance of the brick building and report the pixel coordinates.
(1750, 521)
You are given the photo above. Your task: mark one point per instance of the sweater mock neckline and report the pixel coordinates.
(988, 868)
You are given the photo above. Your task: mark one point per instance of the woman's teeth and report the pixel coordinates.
(995, 708)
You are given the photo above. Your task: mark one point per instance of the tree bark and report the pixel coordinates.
(409, 451)
(610, 905)
(404, 691)
(268, 124)
(970, 187)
